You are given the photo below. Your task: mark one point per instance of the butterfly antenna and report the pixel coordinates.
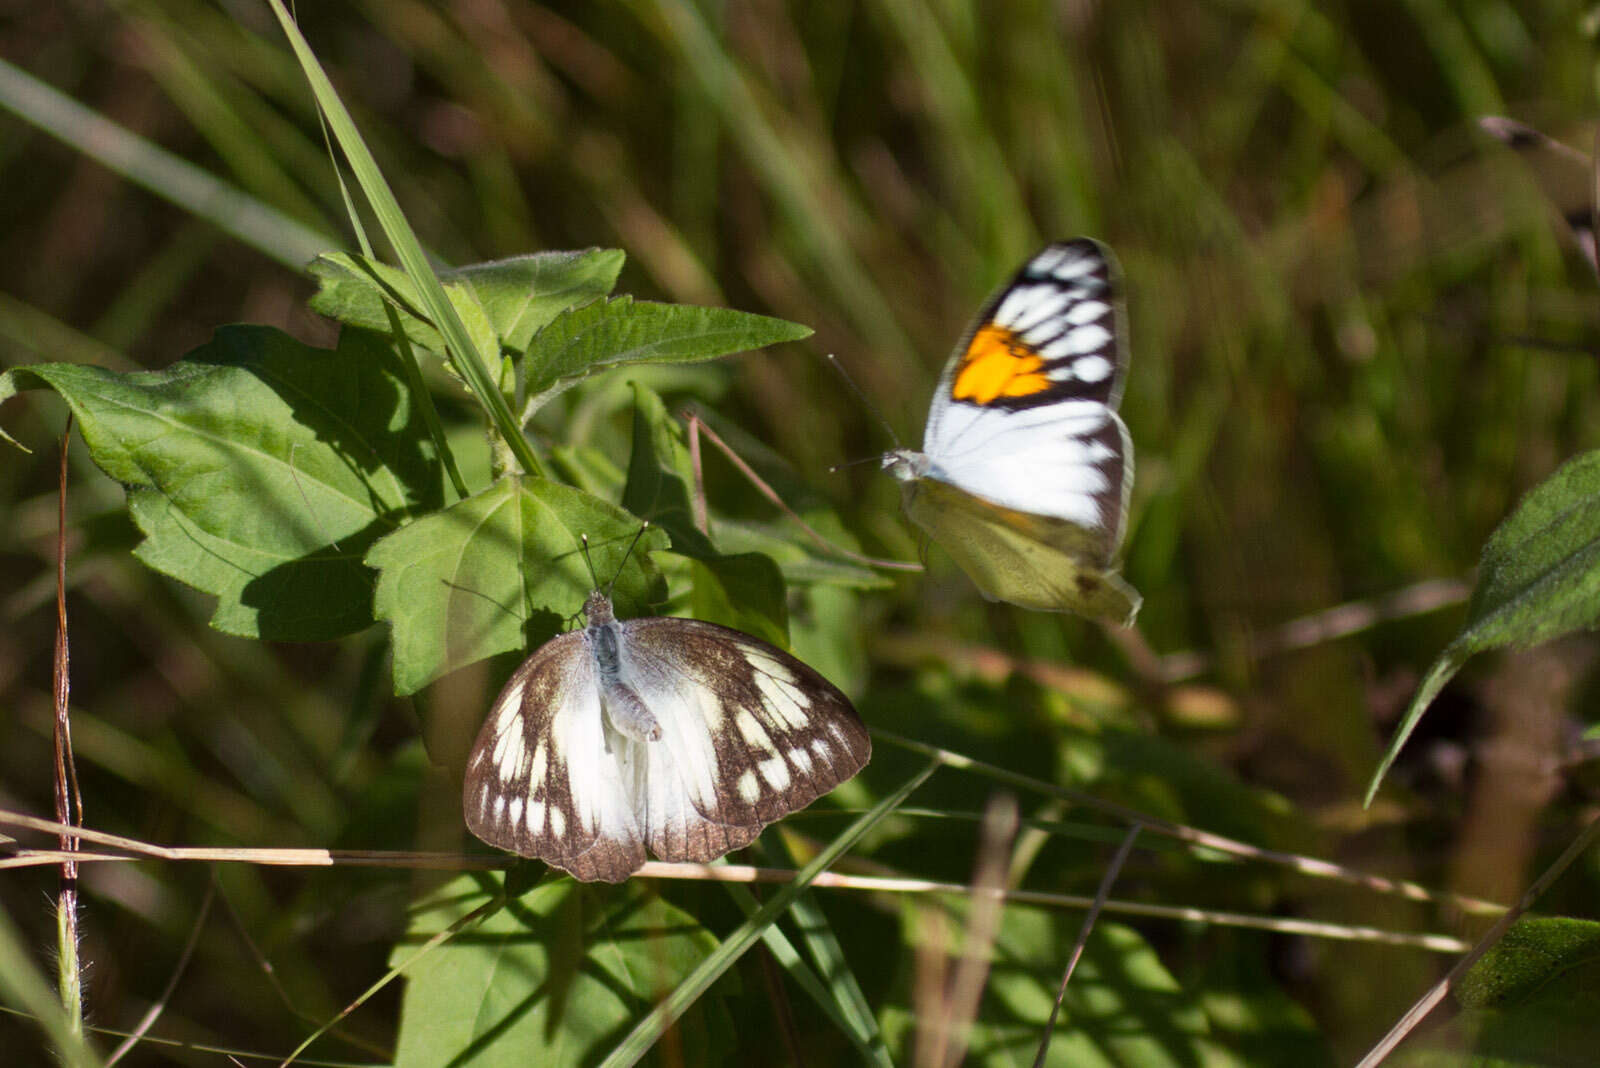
(877, 413)
(644, 526)
(832, 468)
(593, 578)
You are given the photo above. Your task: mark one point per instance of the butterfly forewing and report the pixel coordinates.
(539, 781)
(1025, 413)
(749, 734)
(1053, 333)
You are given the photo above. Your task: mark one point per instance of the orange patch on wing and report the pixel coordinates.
(998, 364)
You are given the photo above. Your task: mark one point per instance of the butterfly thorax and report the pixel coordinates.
(907, 465)
(627, 714)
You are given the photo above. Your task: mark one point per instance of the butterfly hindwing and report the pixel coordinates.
(539, 782)
(1028, 560)
(749, 734)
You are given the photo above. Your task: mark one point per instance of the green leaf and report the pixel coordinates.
(661, 474)
(501, 570)
(801, 562)
(260, 470)
(1539, 578)
(1535, 953)
(1529, 1001)
(745, 592)
(520, 295)
(742, 590)
(554, 978)
(608, 333)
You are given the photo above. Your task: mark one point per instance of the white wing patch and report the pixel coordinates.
(1025, 418)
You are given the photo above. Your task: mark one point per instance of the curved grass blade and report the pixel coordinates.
(653, 1026)
(472, 365)
(840, 999)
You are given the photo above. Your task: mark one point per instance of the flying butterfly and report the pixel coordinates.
(676, 735)
(1026, 467)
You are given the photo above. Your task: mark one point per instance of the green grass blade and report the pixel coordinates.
(844, 1011)
(22, 986)
(263, 228)
(792, 175)
(467, 360)
(830, 957)
(654, 1025)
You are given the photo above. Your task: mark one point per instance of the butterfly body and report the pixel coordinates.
(1026, 468)
(674, 735)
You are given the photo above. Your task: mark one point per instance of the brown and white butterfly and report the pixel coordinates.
(676, 735)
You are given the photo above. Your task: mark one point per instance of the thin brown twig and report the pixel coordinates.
(68, 799)
(1318, 628)
(322, 858)
(743, 873)
(1305, 865)
(931, 963)
(1102, 894)
(772, 495)
(698, 501)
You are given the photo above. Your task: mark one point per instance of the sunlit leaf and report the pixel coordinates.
(260, 470)
(609, 333)
(520, 295)
(501, 570)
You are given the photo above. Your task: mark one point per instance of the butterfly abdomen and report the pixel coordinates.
(628, 714)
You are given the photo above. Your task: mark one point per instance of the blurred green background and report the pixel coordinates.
(1358, 336)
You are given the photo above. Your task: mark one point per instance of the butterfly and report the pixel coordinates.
(1026, 467)
(678, 735)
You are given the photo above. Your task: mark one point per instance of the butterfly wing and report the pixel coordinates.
(542, 780)
(1025, 413)
(1024, 423)
(748, 735)
(1037, 562)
